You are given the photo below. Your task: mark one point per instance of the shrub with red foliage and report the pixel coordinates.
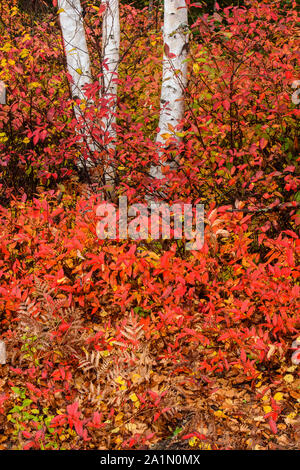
(121, 338)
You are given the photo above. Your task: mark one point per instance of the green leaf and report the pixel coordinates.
(177, 431)
(16, 409)
(26, 402)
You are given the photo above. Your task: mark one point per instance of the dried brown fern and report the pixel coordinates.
(103, 375)
(132, 331)
(94, 361)
(39, 324)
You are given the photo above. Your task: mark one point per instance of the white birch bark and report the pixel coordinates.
(2, 92)
(2, 352)
(110, 57)
(77, 55)
(174, 79)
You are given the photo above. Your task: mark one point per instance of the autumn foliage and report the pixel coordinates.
(117, 344)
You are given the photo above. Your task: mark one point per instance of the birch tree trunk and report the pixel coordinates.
(77, 55)
(2, 352)
(174, 79)
(110, 57)
(2, 92)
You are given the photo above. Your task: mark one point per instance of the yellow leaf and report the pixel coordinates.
(79, 71)
(24, 53)
(166, 136)
(69, 263)
(119, 418)
(133, 397)
(193, 441)
(14, 11)
(267, 409)
(33, 85)
(196, 68)
(135, 378)
(278, 396)
(292, 369)
(220, 414)
(204, 446)
(288, 378)
(104, 353)
(7, 47)
(120, 380)
(291, 417)
(61, 10)
(153, 255)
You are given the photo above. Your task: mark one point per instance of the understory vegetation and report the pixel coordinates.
(132, 344)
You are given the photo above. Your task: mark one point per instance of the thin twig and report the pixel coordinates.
(281, 206)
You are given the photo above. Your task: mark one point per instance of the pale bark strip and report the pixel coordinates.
(2, 92)
(77, 55)
(110, 57)
(2, 353)
(174, 79)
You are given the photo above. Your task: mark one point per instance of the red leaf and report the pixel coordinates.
(39, 435)
(263, 142)
(28, 445)
(102, 8)
(195, 434)
(273, 426)
(167, 52)
(58, 420)
(226, 105)
(35, 139)
(72, 410)
(243, 355)
(50, 114)
(78, 428)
